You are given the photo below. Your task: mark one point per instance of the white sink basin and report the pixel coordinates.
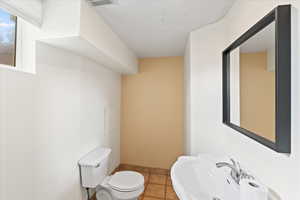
(198, 178)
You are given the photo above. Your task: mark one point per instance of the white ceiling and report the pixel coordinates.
(156, 28)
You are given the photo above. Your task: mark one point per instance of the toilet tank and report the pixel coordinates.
(94, 167)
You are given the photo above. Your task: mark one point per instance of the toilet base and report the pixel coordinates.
(103, 195)
(110, 194)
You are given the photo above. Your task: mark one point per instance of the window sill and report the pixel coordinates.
(14, 69)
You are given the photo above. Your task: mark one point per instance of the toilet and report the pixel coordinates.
(124, 185)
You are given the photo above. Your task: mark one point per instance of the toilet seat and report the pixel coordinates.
(126, 181)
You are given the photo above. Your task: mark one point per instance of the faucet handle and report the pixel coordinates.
(237, 165)
(233, 161)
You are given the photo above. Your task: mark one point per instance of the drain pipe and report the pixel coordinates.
(88, 193)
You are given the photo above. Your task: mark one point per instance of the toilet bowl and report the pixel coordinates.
(124, 185)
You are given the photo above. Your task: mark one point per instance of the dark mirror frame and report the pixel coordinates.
(282, 17)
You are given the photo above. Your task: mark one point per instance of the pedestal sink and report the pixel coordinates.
(198, 178)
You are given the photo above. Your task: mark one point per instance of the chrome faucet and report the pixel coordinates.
(236, 172)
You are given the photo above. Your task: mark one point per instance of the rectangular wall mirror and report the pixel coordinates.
(257, 81)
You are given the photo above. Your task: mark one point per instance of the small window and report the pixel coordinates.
(8, 31)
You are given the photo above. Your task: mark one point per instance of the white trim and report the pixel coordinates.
(14, 69)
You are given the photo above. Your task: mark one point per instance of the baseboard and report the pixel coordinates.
(144, 169)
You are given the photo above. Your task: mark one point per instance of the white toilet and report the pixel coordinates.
(125, 185)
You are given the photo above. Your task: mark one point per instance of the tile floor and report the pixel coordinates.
(158, 183)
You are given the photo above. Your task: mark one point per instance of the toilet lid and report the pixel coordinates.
(126, 181)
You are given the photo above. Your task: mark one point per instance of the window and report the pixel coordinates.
(8, 30)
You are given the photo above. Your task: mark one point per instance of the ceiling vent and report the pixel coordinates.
(102, 2)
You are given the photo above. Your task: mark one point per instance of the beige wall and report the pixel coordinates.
(257, 92)
(152, 113)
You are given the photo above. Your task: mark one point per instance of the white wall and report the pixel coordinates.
(207, 133)
(2, 138)
(235, 87)
(61, 18)
(51, 119)
(187, 99)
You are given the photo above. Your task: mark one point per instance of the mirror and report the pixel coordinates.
(256, 81)
(253, 84)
